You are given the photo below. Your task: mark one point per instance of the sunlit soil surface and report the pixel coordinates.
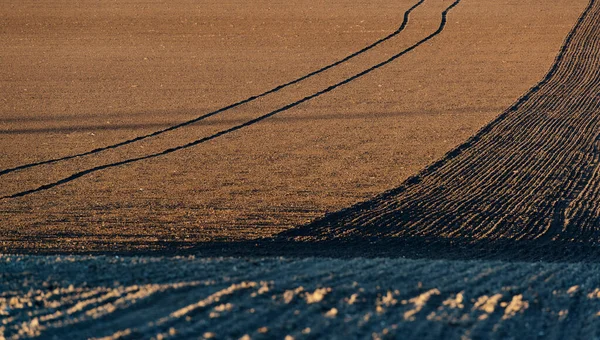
(81, 77)
(78, 82)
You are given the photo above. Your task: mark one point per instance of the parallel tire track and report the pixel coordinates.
(85, 172)
(225, 108)
(527, 185)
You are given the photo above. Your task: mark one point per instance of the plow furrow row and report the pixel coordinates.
(531, 176)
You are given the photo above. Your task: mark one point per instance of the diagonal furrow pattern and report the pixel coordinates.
(530, 176)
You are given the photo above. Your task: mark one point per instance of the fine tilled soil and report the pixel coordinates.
(137, 126)
(527, 184)
(390, 169)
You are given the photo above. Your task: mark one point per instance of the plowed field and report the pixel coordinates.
(264, 298)
(146, 126)
(528, 182)
(378, 147)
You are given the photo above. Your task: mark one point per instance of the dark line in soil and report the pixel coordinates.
(226, 108)
(367, 205)
(248, 123)
(506, 191)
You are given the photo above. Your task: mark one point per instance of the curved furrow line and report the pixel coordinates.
(498, 123)
(491, 150)
(568, 155)
(529, 186)
(591, 187)
(82, 173)
(584, 207)
(525, 142)
(467, 203)
(437, 187)
(228, 107)
(529, 177)
(531, 183)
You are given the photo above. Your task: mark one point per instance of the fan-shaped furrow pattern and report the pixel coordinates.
(531, 175)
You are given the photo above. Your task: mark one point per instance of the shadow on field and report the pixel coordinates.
(414, 248)
(341, 116)
(81, 128)
(347, 248)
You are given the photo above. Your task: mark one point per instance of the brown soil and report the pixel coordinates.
(179, 127)
(527, 185)
(79, 77)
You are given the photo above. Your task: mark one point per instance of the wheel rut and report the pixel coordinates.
(274, 90)
(84, 172)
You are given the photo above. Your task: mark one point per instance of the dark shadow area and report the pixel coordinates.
(81, 128)
(117, 116)
(280, 119)
(413, 248)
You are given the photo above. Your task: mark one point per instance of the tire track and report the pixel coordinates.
(525, 185)
(228, 107)
(82, 173)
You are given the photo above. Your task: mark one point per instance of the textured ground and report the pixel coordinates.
(529, 182)
(224, 128)
(89, 75)
(128, 298)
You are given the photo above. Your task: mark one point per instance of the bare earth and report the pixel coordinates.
(76, 78)
(131, 298)
(343, 136)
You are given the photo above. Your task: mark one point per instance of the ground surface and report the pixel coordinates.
(79, 77)
(528, 184)
(128, 298)
(232, 129)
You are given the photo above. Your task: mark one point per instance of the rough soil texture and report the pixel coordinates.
(130, 298)
(231, 128)
(90, 74)
(528, 183)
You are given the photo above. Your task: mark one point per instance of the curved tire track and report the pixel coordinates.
(225, 108)
(85, 172)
